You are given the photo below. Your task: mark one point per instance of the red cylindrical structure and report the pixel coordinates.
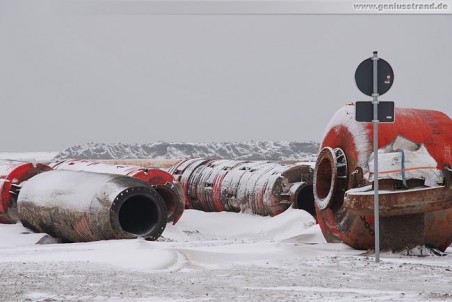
(162, 181)
(343, 160)
(12, 175)
(261, 187)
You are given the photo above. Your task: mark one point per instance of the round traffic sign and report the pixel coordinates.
(364, 76)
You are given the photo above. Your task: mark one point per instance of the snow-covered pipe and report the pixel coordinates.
(343, 162)
(160, 180)
(82, 206)
(261, 187)
(12, 175)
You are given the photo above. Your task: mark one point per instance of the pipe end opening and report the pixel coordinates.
(330, 177)
(139, 215)
(305, 200)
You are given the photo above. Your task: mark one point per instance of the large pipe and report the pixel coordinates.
(83, 206)
(160, 180)
(260, 187)
(12, 175)
(346, 215)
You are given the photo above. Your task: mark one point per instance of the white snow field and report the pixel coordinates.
(216, 257)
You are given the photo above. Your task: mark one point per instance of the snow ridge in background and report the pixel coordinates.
(29, 156)
(282, 150)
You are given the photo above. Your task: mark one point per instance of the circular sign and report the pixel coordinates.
(364, 76)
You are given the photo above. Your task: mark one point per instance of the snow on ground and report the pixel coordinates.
(216, 257)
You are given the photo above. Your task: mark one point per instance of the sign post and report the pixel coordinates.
(375, 122)
(374, 77)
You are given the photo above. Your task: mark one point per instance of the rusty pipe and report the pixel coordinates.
(344, 214)
(260, 187)
(162, 181)
(82, 206)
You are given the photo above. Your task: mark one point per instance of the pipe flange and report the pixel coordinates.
(330, 176)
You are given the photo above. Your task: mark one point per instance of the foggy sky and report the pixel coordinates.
(67, 80)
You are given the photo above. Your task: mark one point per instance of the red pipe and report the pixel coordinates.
(344, 134)
(12, 175)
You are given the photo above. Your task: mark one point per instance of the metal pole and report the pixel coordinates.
(375, 122)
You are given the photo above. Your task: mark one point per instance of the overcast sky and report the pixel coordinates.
(71, 79)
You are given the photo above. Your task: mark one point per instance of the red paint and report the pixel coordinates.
(428, 127)
(216, 191)
(152, 176)
(14, 172)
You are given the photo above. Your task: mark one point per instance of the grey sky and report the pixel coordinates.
(66, 80)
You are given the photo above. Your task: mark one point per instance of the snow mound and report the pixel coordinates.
(300, 151)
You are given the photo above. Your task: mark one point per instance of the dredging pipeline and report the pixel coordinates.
(162, 181)
(415, 156)
(82, 206)
(260, 187)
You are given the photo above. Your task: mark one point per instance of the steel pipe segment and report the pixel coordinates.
(82, 206)
(230, 187)
(261, 187)
(260, 182)
(208, 186)
(162, 181)
(343, 163)
(182, 172)
(12, 176)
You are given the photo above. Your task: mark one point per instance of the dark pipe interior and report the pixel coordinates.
(305, 200)
(324, 178)
(138, 215)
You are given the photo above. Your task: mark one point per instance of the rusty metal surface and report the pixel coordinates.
(438, 229)
(351, 221)
(173, 196)
(159, 179)
(405, 233)
(182, 173)
(82, 206)
(400, 202)
(12, 175)
(261, 187)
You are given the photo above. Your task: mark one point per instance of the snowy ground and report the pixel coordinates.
(216, 257)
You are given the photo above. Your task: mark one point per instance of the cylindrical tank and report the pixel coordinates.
(12, 174)
(343, 160)
(160, 180)
(82, 206)
(261, 187)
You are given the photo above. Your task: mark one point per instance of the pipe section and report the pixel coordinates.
(345, 215)
(12, 176)
(260, 187)
(82, 206)
(162, 181)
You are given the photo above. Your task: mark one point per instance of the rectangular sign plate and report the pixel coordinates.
(364, 112)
